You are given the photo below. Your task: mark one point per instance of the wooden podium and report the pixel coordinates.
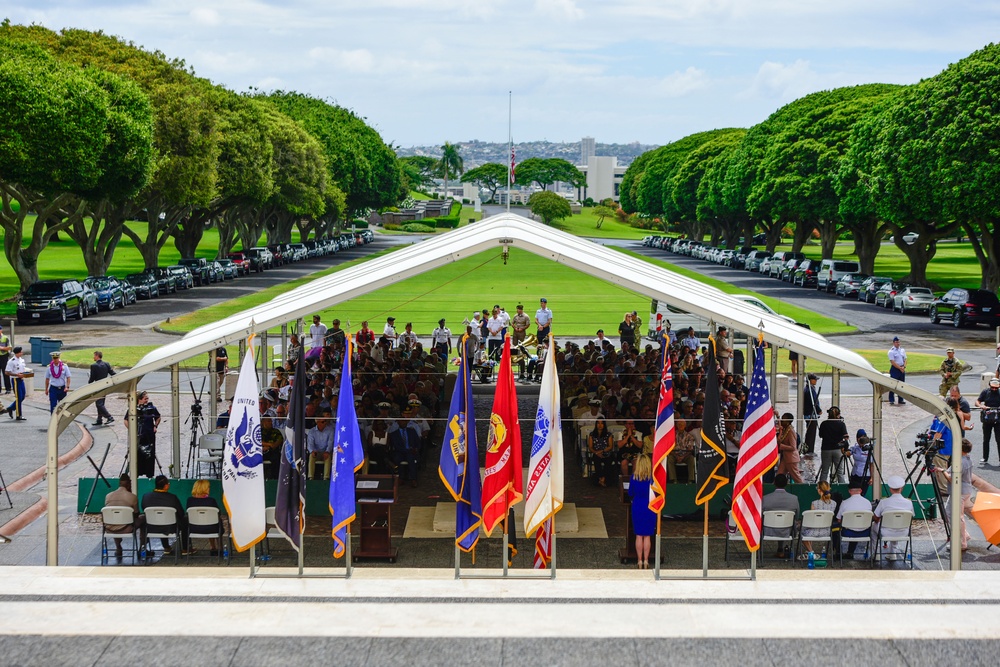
(627, 553)
(376, 495)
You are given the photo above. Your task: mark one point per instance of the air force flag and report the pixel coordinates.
(243, 460)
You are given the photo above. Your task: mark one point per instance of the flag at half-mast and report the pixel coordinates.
(758, 454)
(503, 484)
(349, 456)
(459, 465)
(712, 455)
(513, 164)
(664, 437)
(243, 460)
(290, 498)
(544, 495)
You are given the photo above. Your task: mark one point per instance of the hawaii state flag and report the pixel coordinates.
(503, 485)
(712, 455)
(664, 437)
(349, 456)
(459, 465)
(243, 460)
(545, 471)
(290, 498)
(758, 454)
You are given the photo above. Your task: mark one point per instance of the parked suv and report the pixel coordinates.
(805, 273)
(145, 284)
(242, 262)
(967, 306)
(200, 272)
(110, 293)
(51, 300)
(182, 276)
(166, 283)
(781, 259)
(832, 270)
(263, 257)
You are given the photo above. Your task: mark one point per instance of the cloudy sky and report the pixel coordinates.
(426, 71)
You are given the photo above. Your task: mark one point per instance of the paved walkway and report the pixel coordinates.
(87, 616)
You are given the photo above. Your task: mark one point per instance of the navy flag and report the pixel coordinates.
(712, 453)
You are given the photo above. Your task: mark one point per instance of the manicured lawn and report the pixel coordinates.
(63, 259)
(210, 314)
(818, 323)
(128, 356)
(585, 224)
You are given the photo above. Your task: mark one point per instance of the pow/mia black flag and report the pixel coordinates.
(712, 451)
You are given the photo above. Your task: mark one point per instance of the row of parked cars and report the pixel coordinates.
(958, 306)
(60, 300)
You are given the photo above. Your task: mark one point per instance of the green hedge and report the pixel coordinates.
(446, 222)
(417, 227)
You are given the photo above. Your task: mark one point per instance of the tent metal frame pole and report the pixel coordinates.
(214, 390)
(800, 391)
(877, 435)
(835, 387)
(175, 431)
(133, 433)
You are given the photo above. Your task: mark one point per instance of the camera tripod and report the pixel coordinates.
(925, 464)
(196, 418)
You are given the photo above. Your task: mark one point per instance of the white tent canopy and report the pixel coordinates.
(506, 229)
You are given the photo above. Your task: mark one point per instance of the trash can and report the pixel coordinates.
(36, 348)
(47, 347)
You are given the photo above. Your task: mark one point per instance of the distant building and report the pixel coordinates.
(588, 149)
(604, 178)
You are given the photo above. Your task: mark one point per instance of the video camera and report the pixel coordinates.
(925, 444)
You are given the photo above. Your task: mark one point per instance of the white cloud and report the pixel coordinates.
(679, 84)
(783, 82)
(357, 61)
(561, 10)
(205, 16)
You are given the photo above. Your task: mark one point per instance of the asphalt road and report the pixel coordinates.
(872, 322)
(119, 327)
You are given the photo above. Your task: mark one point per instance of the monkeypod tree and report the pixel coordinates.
(547, 171)
(691, 183)
(490, 176)
(549, 206)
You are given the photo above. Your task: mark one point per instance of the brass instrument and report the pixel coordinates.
(516, 354)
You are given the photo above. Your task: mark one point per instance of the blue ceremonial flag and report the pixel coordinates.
(459, 467)
(349, 455)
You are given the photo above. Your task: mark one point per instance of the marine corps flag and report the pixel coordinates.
(503, 484)
(459, 466)
(712, 453)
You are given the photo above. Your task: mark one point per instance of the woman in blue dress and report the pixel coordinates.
(643, 519)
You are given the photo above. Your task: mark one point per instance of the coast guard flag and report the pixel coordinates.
(243, 460)
(545, 470)
(712, 455)
(758, 453)
(503, 484)
(664, 438)
(290, 499)
(459, 466)
(348, 454)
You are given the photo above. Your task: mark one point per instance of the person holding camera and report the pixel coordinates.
(989, 403)
(861, 470)
(941, 445)
(834, 440)
(147, 422)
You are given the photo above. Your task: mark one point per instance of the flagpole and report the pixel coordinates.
(253, 559)
(552, 574)
(510, 143)
(704, 546)
(302, 540)
(506, 538)
(659, 520)
(458, 562)
(753, 565)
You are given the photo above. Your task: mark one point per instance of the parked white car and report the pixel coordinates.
(913, 298)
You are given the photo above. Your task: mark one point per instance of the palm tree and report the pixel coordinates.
(450, 163)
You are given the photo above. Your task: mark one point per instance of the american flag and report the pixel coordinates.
(758, 454)
(664, 437)
(543, 545)
(513, 164)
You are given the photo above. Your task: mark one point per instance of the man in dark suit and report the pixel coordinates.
(811, 410)
(161, 497)
(99, 370)
(404, 444)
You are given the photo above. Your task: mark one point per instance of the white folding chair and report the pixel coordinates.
(161, 522)
(900, 523)
(114, 516)
(210, 448)
(204, 524)
(815, 519)
(860, 522)
(778, 520)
